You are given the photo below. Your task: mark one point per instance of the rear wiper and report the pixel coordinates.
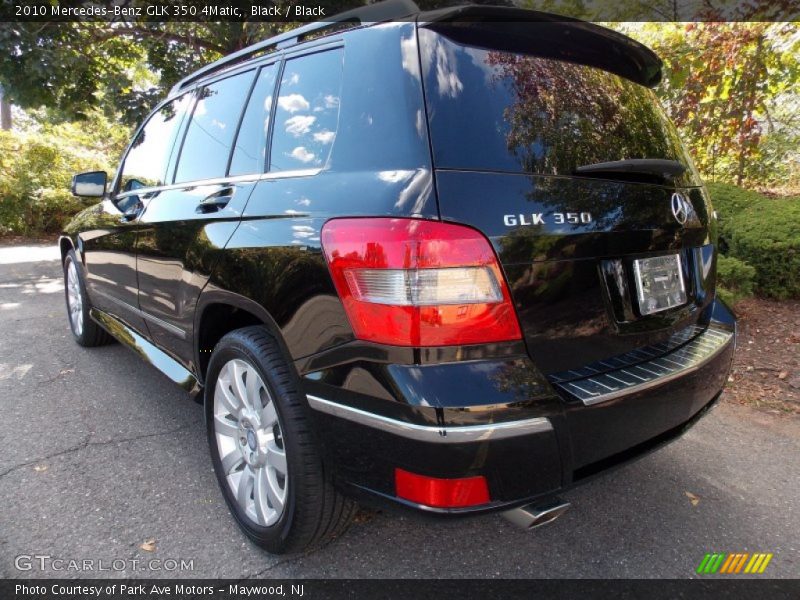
(666, 169)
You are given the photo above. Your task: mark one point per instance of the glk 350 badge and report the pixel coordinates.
(558, 218)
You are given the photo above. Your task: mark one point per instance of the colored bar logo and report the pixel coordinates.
(733, 563)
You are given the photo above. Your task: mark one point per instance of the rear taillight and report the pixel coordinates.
(410, 282)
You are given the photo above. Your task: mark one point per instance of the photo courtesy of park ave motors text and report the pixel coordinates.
(405, 274)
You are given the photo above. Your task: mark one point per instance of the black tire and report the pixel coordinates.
(314, 512)
(86, 332)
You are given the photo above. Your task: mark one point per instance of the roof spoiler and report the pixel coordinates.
(546, 35)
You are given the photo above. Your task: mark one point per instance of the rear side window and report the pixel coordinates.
(249, 153)
(307, 115)
(501, 111)
(146, 162)
(209, 137)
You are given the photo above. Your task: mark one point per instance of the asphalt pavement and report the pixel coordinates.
(104, 459)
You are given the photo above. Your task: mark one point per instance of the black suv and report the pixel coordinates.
(455, 260)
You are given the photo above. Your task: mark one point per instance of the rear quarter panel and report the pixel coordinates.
(380, 165)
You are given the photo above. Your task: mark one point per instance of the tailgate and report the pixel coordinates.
(519, 141)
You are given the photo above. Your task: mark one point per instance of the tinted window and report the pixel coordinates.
(146, 162)
(307, 115)
(249, 153)
(209, 137)
(511, 112)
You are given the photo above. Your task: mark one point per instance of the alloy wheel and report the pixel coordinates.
(250, 442)
(74, 298)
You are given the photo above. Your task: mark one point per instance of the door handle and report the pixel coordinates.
(216, 201)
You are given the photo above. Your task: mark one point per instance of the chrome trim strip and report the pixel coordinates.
(687, 358)
(633, 375)
(222, 181)
(173, 329)
(423, 433)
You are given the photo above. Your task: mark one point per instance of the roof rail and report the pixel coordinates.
(371, 13)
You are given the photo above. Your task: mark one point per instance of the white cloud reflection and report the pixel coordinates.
(324, 136)
(293, 103)
(302, 154)
(299, 125)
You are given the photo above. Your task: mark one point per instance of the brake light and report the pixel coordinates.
(411, 282)
(441, 493)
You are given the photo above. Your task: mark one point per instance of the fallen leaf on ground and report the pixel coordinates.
(783, 375)
(149, 545)
(695, 500)
(40, 468)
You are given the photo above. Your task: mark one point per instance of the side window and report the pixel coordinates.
(146, 161)
(209, 137)
(249, 153)
(308, 111)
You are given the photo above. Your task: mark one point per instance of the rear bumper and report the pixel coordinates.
(528, 436)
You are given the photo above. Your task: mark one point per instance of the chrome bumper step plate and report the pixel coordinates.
(644, 368)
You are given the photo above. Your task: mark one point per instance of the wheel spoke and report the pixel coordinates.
(245, 488)
(225, 426)
(251, 387)
(274, 492)
(229, 400)
(268, 415)
(276, 458)
(230, 461)
(239, 369)
(263, 511)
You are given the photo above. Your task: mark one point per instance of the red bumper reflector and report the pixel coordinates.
(441, 493)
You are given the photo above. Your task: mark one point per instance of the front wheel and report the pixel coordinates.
(85, 331)
(265, 458)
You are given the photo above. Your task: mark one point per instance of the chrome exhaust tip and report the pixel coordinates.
(535, 515)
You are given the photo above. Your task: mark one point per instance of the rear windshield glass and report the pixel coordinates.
(493, 110)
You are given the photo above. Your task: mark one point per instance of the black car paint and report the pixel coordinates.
(260, 255)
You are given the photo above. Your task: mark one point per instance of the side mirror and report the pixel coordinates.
(91, 184)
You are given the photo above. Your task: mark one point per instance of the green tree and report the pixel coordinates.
(123, 67)
(732, 89)
(120, 67)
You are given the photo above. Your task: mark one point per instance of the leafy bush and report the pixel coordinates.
(37, 165)
(766, 235)
(50, 208)
(729, 200)
(735, 279)
(762, 232)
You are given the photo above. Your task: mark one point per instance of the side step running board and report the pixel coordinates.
(150, 353)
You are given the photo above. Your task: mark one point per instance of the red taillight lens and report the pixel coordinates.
(441, 493)
(409, 282)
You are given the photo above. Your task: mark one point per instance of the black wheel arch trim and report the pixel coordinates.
(209, 297)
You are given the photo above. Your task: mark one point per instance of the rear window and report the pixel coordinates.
(500, 111)
(307, 115)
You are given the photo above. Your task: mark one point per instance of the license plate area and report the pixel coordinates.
(659, 283)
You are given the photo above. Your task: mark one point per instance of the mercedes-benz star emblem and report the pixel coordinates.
(680, 207)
